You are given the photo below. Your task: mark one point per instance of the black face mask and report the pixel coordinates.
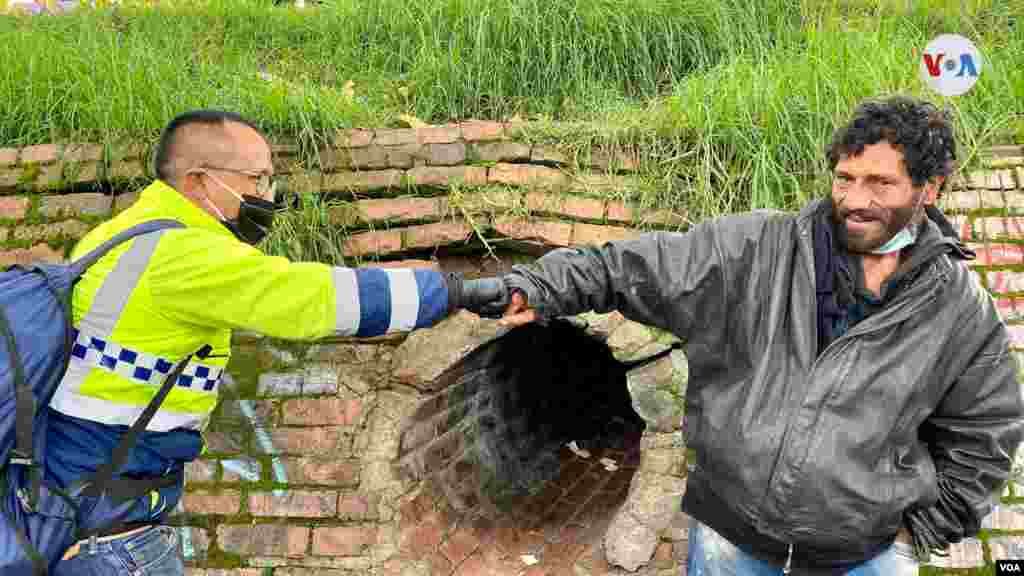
(255, 217)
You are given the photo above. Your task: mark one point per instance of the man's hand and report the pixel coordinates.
(518, 312)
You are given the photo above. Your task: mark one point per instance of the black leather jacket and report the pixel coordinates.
(910, 418)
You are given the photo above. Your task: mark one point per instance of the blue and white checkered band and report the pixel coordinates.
(140, 366)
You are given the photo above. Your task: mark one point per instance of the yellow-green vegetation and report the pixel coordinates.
(732, 101)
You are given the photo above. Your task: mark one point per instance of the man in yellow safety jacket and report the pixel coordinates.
(162, 296)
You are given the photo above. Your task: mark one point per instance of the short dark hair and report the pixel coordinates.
(917, 128)
(207, 117)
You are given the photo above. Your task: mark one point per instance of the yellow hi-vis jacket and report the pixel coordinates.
(161, 296)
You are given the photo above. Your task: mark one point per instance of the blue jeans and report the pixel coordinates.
(151, 552)
(712, 555)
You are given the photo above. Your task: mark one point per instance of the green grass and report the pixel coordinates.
(732, 101)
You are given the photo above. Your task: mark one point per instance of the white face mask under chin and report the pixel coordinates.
(901, 240)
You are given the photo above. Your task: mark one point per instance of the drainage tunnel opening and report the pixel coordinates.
(535, 429)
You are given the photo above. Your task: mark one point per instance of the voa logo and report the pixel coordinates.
(950, 64)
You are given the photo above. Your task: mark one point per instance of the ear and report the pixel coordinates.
(932, 188)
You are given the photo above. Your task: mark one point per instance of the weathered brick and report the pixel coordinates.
(1004, 151)
(353, 138)
(123, 201)
(663, 556)
(507, 151)
(83, 153)
(1007, 310)
(91, 204)
(992, 199)
(200, 470)
(961, 200)
(279, 384)
(545, 153)
(37, 253)
(322, 471)
(613, 160)
(263, 539)
(616, 211)
(14, 207)
(72, 229)
(323, 411)
(438, 234)
(999, 228)
(447, 175)
(477, 131)
(375, 242)
(223, 572)
(961, 223)
(446, 154)
(368, 158)
(294, 503)
(1016, 336)
(1014, 201)
(604, 184)
(406, 156)
(592, 234)
(395, 137)
(421, 539)
(1005, 517)
(8, 157)
(550, 233)
(347, 181)
(967, 553)
(526, 175)
(81, 173)
(40, 154)
(327, 440)
(1005, 178)
(982, 180)
(49, 176)
(241, 470)
(129, 169)
(461, 544)
(566, 205)
(438, 134)
(1006, 547)
(10, 178)
(202, 501)
(343, 540)
(195, 542)
(358, 507)
(1004, 281)
(997, 254)
(319, 571)
(376, 210)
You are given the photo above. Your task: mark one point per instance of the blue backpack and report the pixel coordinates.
(39, 521)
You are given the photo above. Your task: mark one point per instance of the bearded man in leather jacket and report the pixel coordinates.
(853, 402)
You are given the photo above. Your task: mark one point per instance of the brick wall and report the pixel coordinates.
(301, 475)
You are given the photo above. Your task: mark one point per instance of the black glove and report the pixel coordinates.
(487, 297)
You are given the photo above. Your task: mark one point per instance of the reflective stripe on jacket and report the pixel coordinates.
(160, 297)
(154, 300)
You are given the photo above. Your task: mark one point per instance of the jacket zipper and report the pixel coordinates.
(850, 334)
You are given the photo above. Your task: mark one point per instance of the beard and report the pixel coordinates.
(872, 227)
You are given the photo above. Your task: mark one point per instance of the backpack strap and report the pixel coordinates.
(124, 489)
(83, 263)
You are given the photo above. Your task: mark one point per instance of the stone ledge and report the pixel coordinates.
(552, 233)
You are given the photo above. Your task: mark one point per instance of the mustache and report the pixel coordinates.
(879, 215)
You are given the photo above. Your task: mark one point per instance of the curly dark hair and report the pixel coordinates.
(918, 128)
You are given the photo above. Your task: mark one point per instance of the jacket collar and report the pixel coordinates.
(163, 201)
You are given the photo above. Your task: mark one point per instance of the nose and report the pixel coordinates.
(855, 195)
